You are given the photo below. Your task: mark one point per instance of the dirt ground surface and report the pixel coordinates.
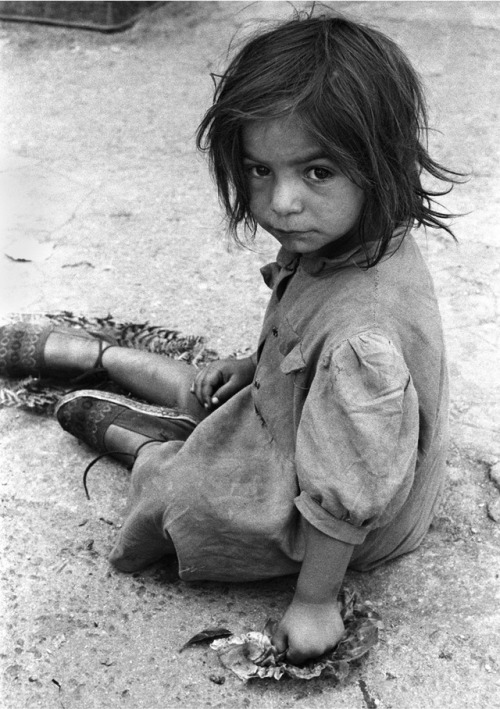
(99, 170)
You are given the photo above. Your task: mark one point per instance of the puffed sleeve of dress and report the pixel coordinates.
(357, 438)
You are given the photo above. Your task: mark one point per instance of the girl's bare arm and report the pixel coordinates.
(312, 624)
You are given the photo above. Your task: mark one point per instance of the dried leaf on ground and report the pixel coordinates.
(205, 635)
(252, 655)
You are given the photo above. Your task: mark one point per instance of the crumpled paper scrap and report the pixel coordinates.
(252, 655)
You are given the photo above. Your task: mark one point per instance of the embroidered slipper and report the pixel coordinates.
(22, 348)
(87, 415)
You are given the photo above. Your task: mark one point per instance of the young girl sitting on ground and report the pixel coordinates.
(326, 448)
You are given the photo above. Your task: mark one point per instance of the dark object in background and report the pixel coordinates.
(100, 16)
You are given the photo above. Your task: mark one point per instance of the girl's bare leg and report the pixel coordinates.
(155, 378)
(152, 377)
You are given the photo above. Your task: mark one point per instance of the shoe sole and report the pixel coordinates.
(160, 412)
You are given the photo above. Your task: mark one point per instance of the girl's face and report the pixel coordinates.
(297, 193)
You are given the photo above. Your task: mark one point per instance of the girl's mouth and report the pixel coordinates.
(291, 232)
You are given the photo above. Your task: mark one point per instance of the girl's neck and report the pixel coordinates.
(339, 246)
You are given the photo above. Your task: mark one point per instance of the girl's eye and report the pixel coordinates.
(319, 174)
(257, 170)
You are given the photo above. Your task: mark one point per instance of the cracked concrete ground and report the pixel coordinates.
(99, 168)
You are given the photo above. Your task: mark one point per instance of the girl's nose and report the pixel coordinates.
(285, 198)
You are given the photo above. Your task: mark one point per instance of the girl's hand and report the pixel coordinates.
(307, 630)
(220, 380)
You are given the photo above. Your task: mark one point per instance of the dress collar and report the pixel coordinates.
(348, 255)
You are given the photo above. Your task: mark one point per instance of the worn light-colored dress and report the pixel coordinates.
(345, 425)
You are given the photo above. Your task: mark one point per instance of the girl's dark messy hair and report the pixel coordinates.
(356, 94)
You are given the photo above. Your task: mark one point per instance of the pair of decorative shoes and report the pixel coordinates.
(87, 414)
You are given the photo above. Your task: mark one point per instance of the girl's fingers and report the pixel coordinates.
(196, 386)
(216, 384)
(221, 394)
(281, 648)
(205, 384)
(280, 641)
